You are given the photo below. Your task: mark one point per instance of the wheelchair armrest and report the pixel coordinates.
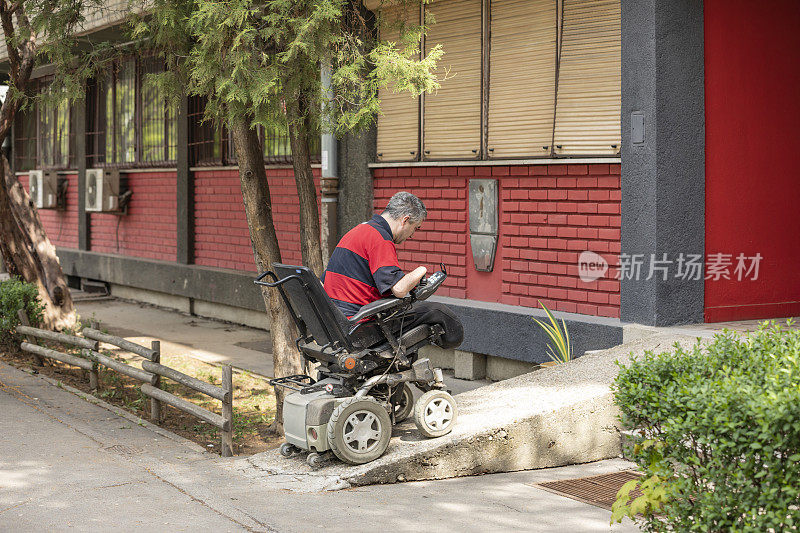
(384, 304)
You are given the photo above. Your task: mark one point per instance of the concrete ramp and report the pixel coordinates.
(552, 417)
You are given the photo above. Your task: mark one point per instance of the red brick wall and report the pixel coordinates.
(549, 217)
(222, 238)
(443, 236)
(61, 226)
(549, 214)
(149, 229)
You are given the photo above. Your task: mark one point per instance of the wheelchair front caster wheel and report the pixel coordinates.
(288, 450)
(435, 413)
(359, 430)
(314, 460)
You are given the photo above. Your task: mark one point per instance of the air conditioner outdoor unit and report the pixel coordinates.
(43, 187)
(102, 190)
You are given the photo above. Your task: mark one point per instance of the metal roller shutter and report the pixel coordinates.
(452, 116)
(398, 125)
(523, 78)
(588, 100)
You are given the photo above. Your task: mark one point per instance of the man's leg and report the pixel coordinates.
(435, 313)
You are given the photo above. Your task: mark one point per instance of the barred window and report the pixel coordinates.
(129, 120)
(43, 132)
(159, 127)
(205, 137)
(211, 144)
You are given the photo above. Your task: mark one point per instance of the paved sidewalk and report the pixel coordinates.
(66, 463)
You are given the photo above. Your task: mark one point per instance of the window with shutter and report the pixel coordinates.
(588, 99)
(452, 116)
(398, 125)
(522, 78)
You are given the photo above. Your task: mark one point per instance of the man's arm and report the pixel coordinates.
(408, 282)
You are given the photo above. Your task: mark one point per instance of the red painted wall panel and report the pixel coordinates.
(61, 226)
(222, 238)
(548, 215)
(752, 72)
(149, 229)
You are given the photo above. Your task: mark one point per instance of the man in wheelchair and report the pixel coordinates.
(365, 329)
(364, 268)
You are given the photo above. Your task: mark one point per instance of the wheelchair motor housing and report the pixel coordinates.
(306, 416)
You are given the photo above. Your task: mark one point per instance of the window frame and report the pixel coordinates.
(98, 122)
(36, 160)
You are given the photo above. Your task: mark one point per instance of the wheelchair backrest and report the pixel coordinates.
(312, 307)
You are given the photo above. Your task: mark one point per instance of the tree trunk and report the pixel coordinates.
(26, 250)
(258, 208)
(29, 254)
(304, 178)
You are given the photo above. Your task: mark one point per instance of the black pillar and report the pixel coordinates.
(185, 187)
(663, 170)
(79, 122)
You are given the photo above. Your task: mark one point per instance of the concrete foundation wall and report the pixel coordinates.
(161, 299)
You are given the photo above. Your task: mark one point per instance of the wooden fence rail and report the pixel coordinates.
(150, 374)
(119, 342)
(58, 356)
(193, 383)
(122, 368)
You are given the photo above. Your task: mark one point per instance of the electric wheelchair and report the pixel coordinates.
(366, 366)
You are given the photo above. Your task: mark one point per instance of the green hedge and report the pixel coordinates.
(16, 295)
(717, 434)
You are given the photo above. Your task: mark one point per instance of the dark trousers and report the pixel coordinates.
(434, 313)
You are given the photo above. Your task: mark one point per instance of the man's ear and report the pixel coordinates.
(406, 219)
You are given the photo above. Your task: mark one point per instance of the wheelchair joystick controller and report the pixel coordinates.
(429, 285)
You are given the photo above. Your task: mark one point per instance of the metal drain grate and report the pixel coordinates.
(595, 490)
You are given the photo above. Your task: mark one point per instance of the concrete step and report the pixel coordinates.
(555, 416)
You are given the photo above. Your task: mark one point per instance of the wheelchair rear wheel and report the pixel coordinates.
(359, 430)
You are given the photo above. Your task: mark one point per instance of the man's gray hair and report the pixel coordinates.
(406, 204)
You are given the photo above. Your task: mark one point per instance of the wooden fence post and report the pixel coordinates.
(155, 405)
(23, 319)
(227, 411)
(94, 377)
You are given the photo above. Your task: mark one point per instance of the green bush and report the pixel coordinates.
(717, 434)
(16, 295)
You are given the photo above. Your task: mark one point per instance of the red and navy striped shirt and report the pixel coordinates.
(363, 267)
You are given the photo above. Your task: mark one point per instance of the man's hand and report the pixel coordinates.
(408, 282)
